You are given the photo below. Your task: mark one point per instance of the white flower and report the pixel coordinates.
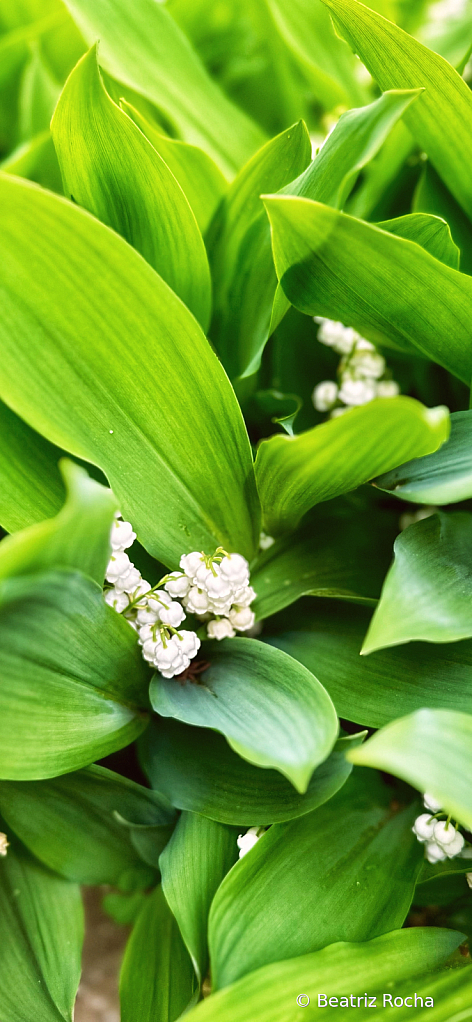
(325, 395)
(178, 584)
(336, 335)
(235, 569)
(122, 535)
(214, 583)
(158, 600)
(172, 615)
(141, 589)
(220, 629)
(4, 844)
(363, 345)
(197, 601)
(468, 877)
(244, 596)
(434, 853)
(189, 643)
(190, 563)
(387, 388)
(265, 541)
(148, 615)
(220, 608)
(242, 618)
(128, 582)
(356, 392)
(248, 840)
(444, 833)
(367, 364)
(455, 847)
(118, 566)
(119, 601)
(423, 827)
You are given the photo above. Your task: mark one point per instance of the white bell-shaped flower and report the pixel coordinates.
(129, 582)
(387, 388)
(444, 833)
(455, 847)
(434, 853)
(356, 392)
(423, 827)
(122, 535)
(178, 585)
(119, 601)
(220, 629)
(244, 596)
(265, 541)
(242, 618)
(213, 582)
(190, 563)
(220, 608)
(432, 803)
(118, 566)
(147, 615)
(235, 569)
(325, 395)
(247, 841)
(367, 363)
(189, 643)
(172, 615)
(197, 601)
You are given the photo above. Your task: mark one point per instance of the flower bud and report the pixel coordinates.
(221, 629)
(444, 833)
(434, 853)
(432, 803)
(122, 535)
(118, 566)
(423, 827)
(197, 601)
(242, 618)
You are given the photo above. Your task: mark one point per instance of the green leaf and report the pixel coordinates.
(431, 749)
(78, 537)
(327, 638)
(69, 823)
(352, 865)
(197, 174)
(295, 473)
(157, 980)
(272, 711)
(227, 788)
(87, 332)
(31, 486)
(393, 292)
(440, 121)
(109, 167)
(443, 477)
(39, 93)
(431, 232)
(37, 161)
(143, 47)
(432, 196)
(449, 991)
(73, 682)
(270, 993)
(199, 855)
(41, 933)
(243, 274)
(306, 28)
(427, 592)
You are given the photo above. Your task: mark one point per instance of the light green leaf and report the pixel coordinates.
(272, 711)
(243, 274)
(78, 537)
(39, 93)
(432, 196)
(440, 121)
(427, 592)
(70, 824)
(354, 849)
(393, 292)
(443, 477)
(198, 176)
(100, 356)
(431, 749)
(306, 28)
(270, 993)
(450, 992)
(199, 855)
(41, 934)
(143, 47)
(157, 980)
(295, 473)
(109, 167)
(31, 486)
(383, 175)
(37, 161)
(73, 682)
(431, 232)
(227, 788)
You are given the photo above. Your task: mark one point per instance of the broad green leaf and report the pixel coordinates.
(394, 292)
(352, 866)
(295, 473)
(143, 47)
(37, 161)
(326, 636)
(39, 93)
(440, 120)
(448, 994)
(41, 933)
(199, 855)
(272, 711)
(197, 174)
(443, 477)
(100, 356)
(383, 175)
(157, 980)
(270, 993)
(435, 871)
(78, 537)
(69, 823)
(432, 196)
(226, 788)
(431, 232)
(427, 592)
(243, 274)
(431, 749)
(31, 486)
(306, 28)
(110, 168)
(73, 682)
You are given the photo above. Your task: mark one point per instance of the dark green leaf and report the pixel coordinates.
(31, 487)
(272, 711)
(444, 477)
(344, 872)
(87, 331)
(73, 682)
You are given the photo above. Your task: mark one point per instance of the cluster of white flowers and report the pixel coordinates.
(362, 371)
(4, 844)
(441, 838)
(214, 588)
(249, 839)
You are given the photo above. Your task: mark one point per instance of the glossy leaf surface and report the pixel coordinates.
(443, 477)
(31, 487)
